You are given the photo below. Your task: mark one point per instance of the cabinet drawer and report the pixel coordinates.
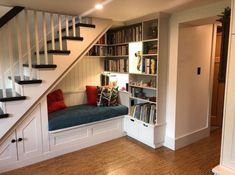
(146, 133)
(131, 127)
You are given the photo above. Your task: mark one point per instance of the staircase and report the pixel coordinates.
(37, 50)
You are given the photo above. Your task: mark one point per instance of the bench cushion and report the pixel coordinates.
(83, 114)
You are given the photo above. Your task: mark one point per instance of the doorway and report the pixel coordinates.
(218, 90)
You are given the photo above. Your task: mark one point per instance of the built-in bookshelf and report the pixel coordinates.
(131, 56)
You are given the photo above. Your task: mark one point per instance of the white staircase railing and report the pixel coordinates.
(24, 40)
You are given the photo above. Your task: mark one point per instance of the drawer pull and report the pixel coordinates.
(145, 125)
(132, 120)
(13, 141)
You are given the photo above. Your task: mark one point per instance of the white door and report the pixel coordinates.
(8, 151)
(29, 136)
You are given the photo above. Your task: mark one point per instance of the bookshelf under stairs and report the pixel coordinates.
(136, 55)
(37, 50)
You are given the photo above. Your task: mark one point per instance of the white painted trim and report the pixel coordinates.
(192, 137)
(86, 142)
(221, 170)
(169, 143)
(84, 125)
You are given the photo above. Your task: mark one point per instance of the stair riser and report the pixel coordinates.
(57, 45)
(71, 32)
(42, 59)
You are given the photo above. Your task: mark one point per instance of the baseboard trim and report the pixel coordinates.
(221, 170)
(192, 137)
(169, 143)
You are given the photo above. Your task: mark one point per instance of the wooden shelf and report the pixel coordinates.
(143, 74)
(136, 98)
(95, 56)
(154, 54)
(116, 72)
(119, 56)
(150, 40)
(101, 45)
(144, 87)
(118, 44)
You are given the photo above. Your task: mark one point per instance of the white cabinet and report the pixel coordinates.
(30, 134)
(24, 143)
(8, 151)
(228, 145)
(148, 134)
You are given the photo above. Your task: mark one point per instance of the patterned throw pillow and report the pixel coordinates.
(107, 96)
(114, 97)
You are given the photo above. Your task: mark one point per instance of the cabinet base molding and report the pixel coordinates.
(72, 140)
(220, 170)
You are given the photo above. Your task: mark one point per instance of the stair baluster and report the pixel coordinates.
(45, 37)
(19, 45)
(28, 44)
(10, 55)
(36, 36)
(60, 33)
(52, 31)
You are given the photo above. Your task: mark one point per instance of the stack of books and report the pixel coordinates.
(126, 34)
(118, 50)
(116, 65)
(149, 66)
(145, 112)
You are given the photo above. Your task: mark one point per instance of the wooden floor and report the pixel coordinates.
(127, 157)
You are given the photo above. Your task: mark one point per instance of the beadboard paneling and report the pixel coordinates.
(86, 72)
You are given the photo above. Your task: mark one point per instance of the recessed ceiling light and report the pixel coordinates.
(99, 6)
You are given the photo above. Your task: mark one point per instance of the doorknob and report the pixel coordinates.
(13, 141)
(20, 139)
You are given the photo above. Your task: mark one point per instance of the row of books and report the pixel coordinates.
(98, 51)
(145, 112)
(116, 65)
(150, 47)
(118, 50)
(101, 40)
(149, 65)
(127, 34)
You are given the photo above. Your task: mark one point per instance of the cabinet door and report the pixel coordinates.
(8, 151)
(30, 135)
(228, 149)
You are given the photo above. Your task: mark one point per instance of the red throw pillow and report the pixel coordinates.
(91, 92)
(55, 101)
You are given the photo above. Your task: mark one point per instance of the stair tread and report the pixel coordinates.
(66, 52)
(78, 38)
(79, 25)
(10, 96)
(41, 66)
(26, 80)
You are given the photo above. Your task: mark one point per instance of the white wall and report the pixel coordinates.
(86, 72)
(193, 93)
(175, 20)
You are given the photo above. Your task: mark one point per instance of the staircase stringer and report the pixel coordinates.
(56, 81)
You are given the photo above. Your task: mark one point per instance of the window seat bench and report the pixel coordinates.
(83, 114)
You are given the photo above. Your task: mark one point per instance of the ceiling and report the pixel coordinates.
(117, 10)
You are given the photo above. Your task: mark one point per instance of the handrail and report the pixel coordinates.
(10, 14)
